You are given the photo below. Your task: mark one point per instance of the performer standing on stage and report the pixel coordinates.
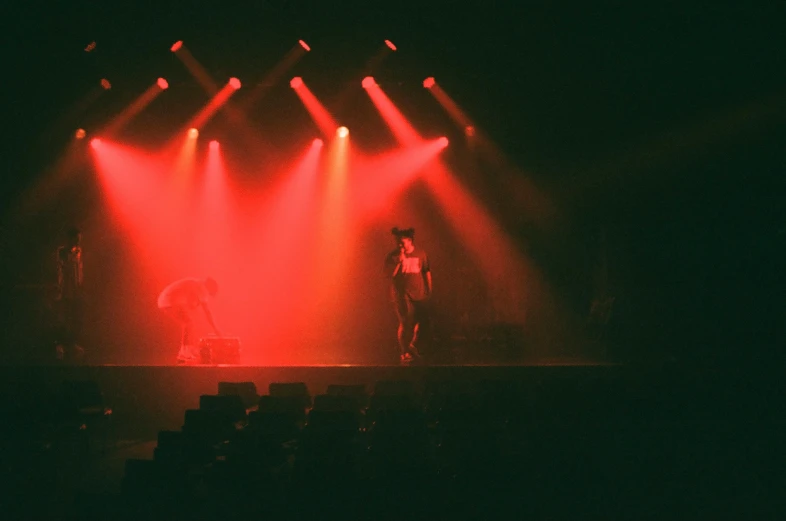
(180, 300)
(410, 288)
(69, 299)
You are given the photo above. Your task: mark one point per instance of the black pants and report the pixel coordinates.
(70, 322)
(412, 322)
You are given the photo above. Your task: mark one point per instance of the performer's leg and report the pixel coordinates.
(182, 317)
(401, 313)
(421, 324)
(411, 327)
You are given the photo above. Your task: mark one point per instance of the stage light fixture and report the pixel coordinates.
(193, 133)
(234, 83)
(296, 82)
(80, 133)
(368, 82)
(95, 142)
(176, 46)
(390, 45)
(342, 131)
(105, 84)
(429, 82)
(442, 142)
(304, 45)
(162, 83)
(214, 145)
(469, 130)
(317, 143)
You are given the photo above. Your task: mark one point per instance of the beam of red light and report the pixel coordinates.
(215, 217)
(526, 197)
(405, 133)
(196, 69)
(206, 113)
(327, 125)
(280, 251)
(133, 189)
(132, 110)
(383, 177)
(505, 272)
(450, 106)
(274, 76)
(351, 85)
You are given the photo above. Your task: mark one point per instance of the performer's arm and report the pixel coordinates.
(396, 263)
(209, 317)
(428, 282)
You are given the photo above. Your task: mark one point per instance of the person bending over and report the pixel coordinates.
(181, 300)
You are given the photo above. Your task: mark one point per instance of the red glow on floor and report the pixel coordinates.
(105, 84)
(368, 82)
(176, 46)
(296, 82)
(342, 132)
(390, 45)
(162, 83)
(80, 133)
(304, 45)
(234, 83)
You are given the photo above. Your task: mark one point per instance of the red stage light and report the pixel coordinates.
(105, 84)
(296, 82)
(80, 133)
(214, 145)
(95, 142)
(90, 46)
(390, 45)
(469, 130)
(304, 45)
(176, 46)
(442, 142)
(342, 131)
(317, 143)
(429, 82)
(162, 83)
(368, 82)
(234, 83)
(193, 133)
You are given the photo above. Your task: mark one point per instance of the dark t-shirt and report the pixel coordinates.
(409, 281)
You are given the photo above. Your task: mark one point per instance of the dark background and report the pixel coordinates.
(662, 124)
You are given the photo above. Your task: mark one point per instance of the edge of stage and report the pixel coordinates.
(148, 398)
